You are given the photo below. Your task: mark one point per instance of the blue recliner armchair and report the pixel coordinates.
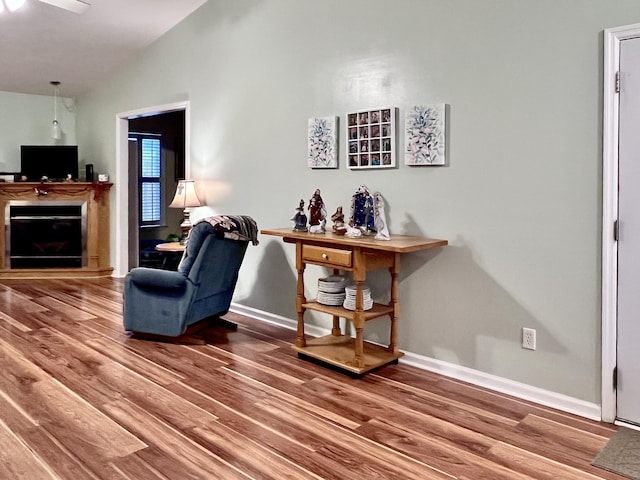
(170, 303)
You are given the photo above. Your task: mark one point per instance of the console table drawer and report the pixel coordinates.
(332, 256)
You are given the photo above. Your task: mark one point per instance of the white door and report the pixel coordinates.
(628, 352)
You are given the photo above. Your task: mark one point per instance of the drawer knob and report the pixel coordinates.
(325, 256)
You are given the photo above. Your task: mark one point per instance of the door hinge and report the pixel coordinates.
(617, 82)
(615, 378)
(616, 230)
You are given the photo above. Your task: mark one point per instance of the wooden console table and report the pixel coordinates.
(96, 196)
(357, 255)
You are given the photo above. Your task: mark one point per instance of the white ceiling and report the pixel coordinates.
(41, 43)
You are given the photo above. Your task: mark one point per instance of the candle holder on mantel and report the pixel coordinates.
(186, 197)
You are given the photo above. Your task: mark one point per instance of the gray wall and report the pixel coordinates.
(519, 201)
(26, 120)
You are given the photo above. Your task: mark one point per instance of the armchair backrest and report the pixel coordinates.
(212, 264)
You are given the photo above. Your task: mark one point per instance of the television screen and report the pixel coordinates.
(52, 161)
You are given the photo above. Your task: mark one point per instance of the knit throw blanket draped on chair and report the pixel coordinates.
(234, 227)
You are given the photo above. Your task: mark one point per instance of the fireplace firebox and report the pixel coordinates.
(46, 234)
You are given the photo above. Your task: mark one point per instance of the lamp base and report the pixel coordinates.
(185, 226)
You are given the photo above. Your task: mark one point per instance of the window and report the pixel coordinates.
(149, 178)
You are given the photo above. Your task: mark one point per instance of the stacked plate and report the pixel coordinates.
(331, 290)
(350, 298)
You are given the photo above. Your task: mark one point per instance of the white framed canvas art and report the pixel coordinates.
(323, 142)
(425, 135)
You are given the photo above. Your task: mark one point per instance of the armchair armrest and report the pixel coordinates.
(158, 279)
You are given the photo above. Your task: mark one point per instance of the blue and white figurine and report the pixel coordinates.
(362, 211)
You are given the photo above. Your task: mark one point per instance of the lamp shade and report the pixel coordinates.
(186, 195)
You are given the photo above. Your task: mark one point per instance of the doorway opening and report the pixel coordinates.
(127, 226)
(156, 163)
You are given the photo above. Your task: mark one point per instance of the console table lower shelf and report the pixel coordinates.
(338, 351)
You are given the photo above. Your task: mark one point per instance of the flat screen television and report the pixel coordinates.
(52, 161)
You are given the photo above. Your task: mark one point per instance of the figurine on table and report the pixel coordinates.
(380, 218)
(317, 213)
(338, 222)
(299, 218)
(362, 211)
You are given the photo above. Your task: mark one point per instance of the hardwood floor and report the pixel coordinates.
(79, 399)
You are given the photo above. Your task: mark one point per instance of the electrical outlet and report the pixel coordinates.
(528, 338)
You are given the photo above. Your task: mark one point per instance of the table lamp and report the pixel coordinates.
(186, 197)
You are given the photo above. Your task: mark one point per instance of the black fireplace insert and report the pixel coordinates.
(46, 234)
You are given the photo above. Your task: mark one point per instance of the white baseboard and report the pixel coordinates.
(277, 320)
(465, 374)
(506, 386)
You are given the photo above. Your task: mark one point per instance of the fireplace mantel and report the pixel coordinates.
(95, 194)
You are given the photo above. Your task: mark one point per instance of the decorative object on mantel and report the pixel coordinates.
(425, 135)
(323, 142)
(317, 213)
(338, 222)
(186, 197)
(380, 217)
(362, 211)
(8, 177)
(299, 219)
(372, 138)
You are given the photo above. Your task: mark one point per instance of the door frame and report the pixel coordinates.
(122, 173)
(610, 129)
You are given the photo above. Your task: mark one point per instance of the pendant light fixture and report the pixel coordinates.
(56, 132)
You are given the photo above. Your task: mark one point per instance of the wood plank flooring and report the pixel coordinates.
(80, 399)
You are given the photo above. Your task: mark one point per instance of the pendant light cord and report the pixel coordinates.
(55, 99)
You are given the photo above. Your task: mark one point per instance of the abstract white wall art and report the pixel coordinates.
(425, 135)
(323, 142)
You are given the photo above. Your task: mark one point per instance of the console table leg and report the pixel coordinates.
(359, 349)
(335, 331)
(300, 298)
(359, 274)
(393, 337)
(300, 338)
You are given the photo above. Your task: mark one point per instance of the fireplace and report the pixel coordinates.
(69, 236)
(46, 234)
